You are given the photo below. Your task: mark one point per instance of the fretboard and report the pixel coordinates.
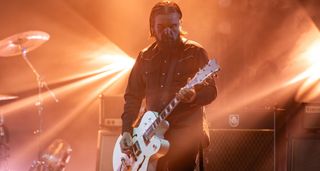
(161, 117)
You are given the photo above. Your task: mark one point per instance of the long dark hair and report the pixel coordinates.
(164, 7)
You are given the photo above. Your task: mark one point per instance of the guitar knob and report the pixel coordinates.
(154, 146)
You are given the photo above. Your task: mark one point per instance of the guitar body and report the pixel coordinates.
(146, 152)
(148, 138)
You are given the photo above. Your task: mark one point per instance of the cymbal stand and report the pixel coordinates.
(4, 145)
(41, 83)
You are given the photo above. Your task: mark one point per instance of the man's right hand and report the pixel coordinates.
(126, 142)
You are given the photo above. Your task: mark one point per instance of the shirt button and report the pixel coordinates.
(163, 74)
(161, 86)
(178, 73)
(165, 61)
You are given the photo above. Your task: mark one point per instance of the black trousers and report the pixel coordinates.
(184, 147)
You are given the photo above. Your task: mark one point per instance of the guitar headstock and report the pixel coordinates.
(210, 69)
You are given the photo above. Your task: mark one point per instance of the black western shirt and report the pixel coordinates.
(149, 79)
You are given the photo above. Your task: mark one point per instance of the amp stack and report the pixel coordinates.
(110, 110)
(303, 137)
(242, 140)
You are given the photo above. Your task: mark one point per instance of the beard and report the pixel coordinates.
(168, 43)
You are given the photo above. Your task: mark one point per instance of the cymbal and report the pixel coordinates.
(5, 97)
(27, 41)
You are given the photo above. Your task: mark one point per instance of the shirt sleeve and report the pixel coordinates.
(205, 93)
(134, 94)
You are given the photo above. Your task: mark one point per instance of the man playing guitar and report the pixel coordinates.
(158, 75)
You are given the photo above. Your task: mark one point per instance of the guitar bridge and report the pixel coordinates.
(136, 149)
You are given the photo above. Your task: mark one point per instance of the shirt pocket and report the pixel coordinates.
(150, 74)
(186, 68)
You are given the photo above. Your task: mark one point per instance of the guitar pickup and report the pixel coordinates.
(136, 149)
(146, 139)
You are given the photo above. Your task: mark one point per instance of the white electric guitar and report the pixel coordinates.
(148, 142)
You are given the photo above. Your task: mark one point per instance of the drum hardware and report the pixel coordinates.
(6, 97)
(4, 136)
(21, 44)
(54, 158)
(4, 145)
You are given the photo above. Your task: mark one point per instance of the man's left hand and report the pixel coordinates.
(186, 95)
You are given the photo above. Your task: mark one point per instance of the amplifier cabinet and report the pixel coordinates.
(110, 110)
(106, 142)
(311, 115)
(304, 154)
(240, 150)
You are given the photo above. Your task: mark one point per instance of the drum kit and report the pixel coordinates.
(21, 44)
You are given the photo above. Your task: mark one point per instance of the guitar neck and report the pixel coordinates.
(162, 116)
(169, 108)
